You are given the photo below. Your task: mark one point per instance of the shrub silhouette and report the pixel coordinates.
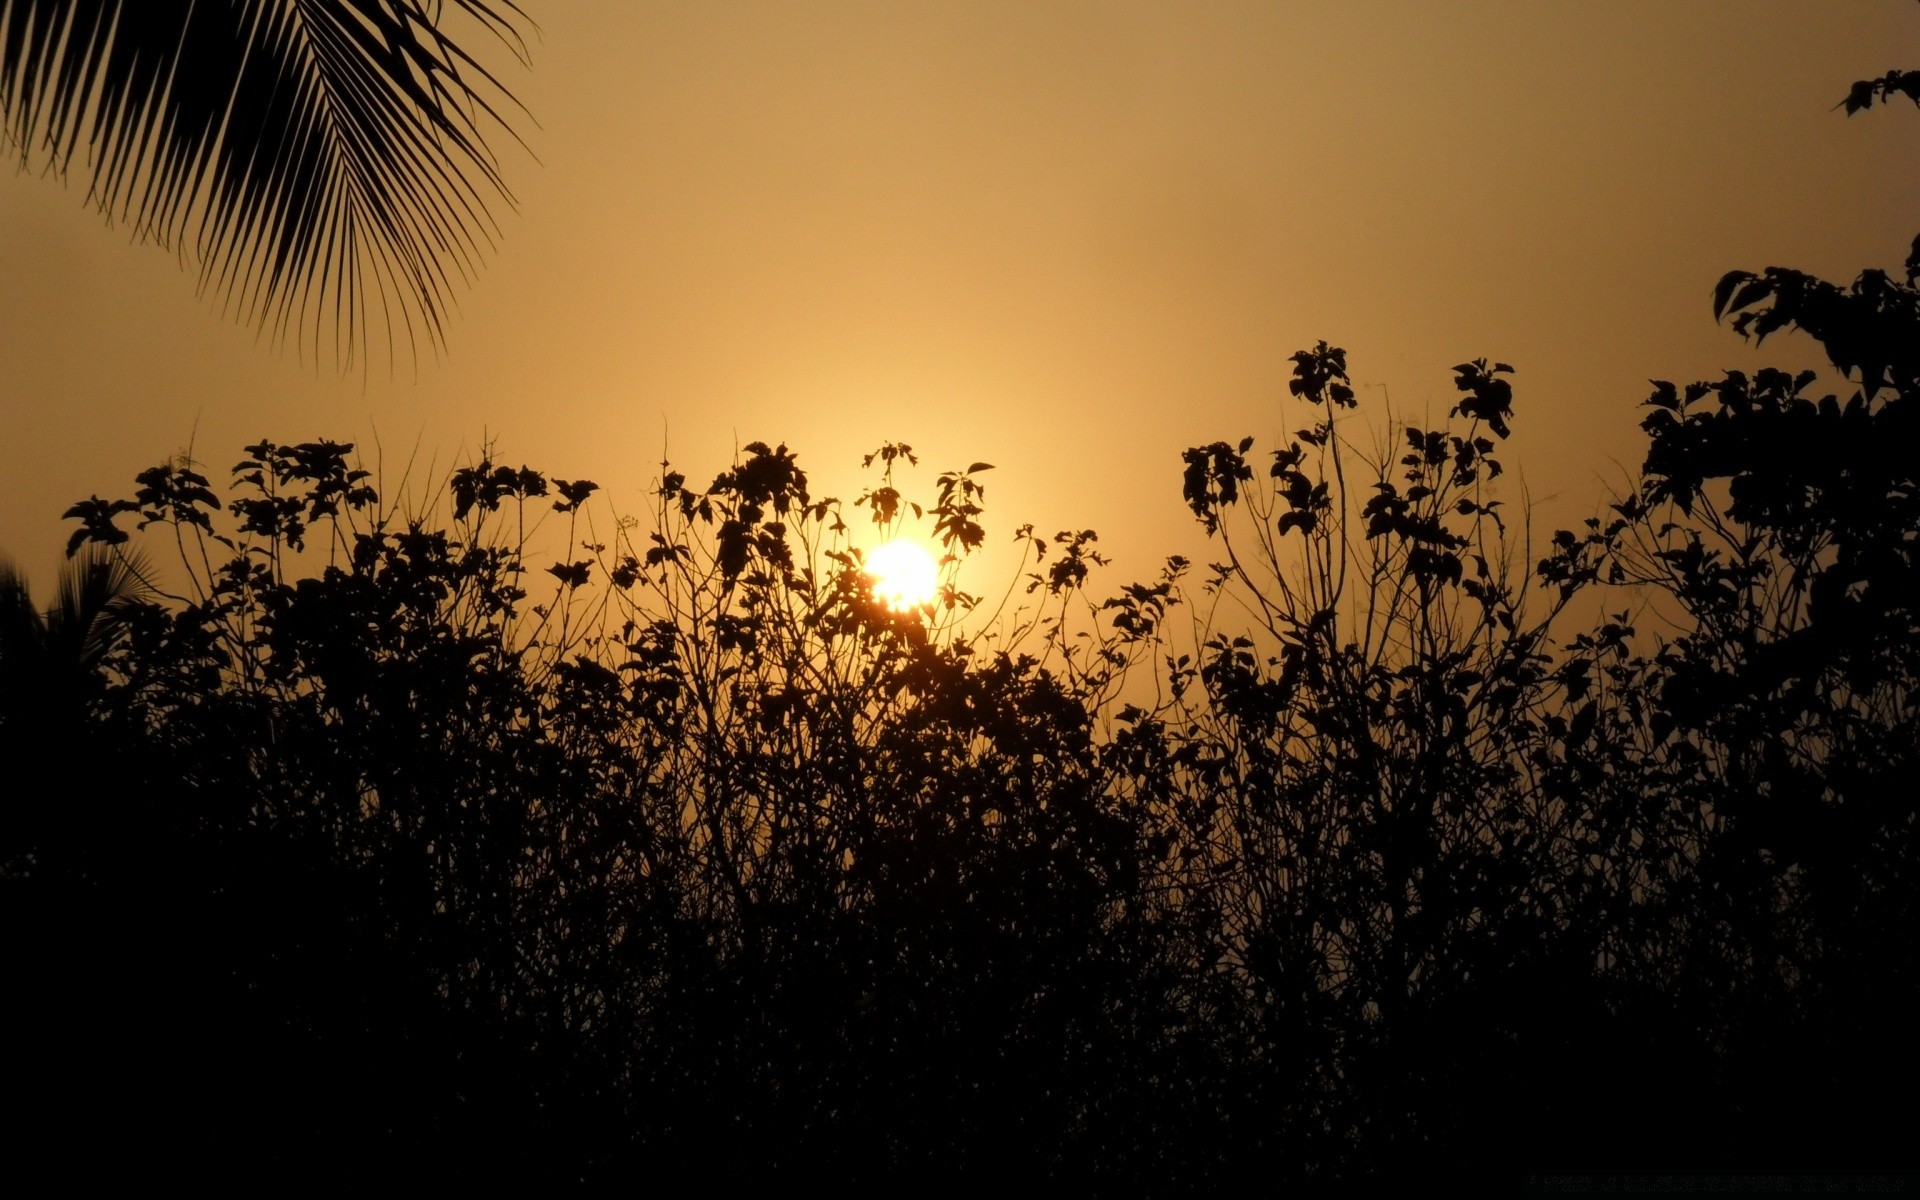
(442, 837)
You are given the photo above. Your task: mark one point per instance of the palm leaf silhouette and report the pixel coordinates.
(321, 161)
(45, 654)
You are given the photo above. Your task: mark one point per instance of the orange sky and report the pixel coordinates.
(1070, 239)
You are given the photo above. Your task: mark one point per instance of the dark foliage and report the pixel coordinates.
(387, 844)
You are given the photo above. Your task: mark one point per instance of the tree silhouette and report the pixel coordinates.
(50, 663)
(322, 161)
(664, 841)
(687, 841)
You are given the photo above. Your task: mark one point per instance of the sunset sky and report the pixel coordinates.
(1068, 239)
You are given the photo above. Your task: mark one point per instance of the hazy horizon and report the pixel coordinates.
(1070, 240)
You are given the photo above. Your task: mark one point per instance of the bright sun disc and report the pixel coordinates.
(904, 575)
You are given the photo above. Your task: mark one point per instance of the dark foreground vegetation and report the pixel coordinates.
(359, 840)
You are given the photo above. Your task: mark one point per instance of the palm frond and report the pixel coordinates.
(22, 629)
(322, 161)
(95, 589)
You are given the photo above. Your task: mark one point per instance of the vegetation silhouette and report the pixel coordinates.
(322, 163)
(387, 843)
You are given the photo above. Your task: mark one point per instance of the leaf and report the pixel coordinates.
(1583, 722)
(1723, 291)
(572, 575)
(1751, 293)
(321, 162)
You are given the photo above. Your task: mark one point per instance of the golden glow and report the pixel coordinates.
(904, 575)
(1041, 222)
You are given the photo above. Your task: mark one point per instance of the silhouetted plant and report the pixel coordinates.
(699, 841)
(1777, 725)
(709, 827)
(51, 664)
(320, 162)
(672, 839)
(1377, 776)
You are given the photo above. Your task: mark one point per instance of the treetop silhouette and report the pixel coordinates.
(1365, 855)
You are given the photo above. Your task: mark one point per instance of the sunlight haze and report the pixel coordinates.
(1073, 239)
(904, 574)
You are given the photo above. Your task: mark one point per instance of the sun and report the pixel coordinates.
(904, 575)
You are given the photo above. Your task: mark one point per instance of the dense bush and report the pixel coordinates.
(375, 840)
